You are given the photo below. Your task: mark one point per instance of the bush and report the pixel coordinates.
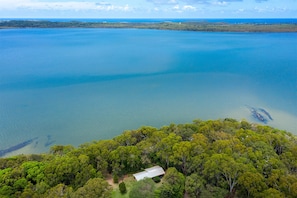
(122, 187)
(157, 179)
(115, 179)
(143, 188)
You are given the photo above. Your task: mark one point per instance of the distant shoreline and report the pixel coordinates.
(164, 25)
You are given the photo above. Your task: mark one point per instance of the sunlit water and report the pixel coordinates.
(70, 86)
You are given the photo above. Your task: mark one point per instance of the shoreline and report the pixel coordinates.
(178, 26)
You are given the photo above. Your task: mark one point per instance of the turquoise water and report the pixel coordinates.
(70, 86)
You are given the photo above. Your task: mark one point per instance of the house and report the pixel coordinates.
(149, 173)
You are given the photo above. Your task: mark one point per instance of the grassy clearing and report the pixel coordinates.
(129, 181)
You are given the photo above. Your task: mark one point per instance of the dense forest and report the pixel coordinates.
(215, 158)
(184, 26)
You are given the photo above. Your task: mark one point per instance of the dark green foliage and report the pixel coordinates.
(143, 188)
(122, 187)
(59, 191)
(213, 191)
(96, 187)
(173, 185)
(6, 191)
(61, 150)
(194, 185)
(186, 26)
(34, 171)
(115, 178)
(157, 179)
(20, 184)
(220, 158)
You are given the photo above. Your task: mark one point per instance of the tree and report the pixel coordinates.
(294, 189)
(194, 185)
(115, 178)
(165, 147)
(231, 146)
(183, 130)
(6, 191)
(143, 133)
(11, 181)
(99, 153)
(125, 159)
(62, 170)
(30, 191)
(126, 139)
(61, 149)
(59, 191)
(272, 193)
(95, 187)
(174, 184)
(143, 188)
(213, 191)
(20, 184)
(225, 166)
(252, 182)
(148, 147)
(182, 153)
(86, 171)
(122, 187)
(290, 159)
(34, 171)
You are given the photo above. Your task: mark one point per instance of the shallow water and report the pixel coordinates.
(77, 85)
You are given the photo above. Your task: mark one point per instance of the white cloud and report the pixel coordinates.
(163, 2)
(61, 5)
(180, 9)
(268, 9)
(195, 1)
(147, 8)
(176, 8)
(189, 7)
(219, 3)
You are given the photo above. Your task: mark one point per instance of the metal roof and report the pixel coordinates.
(149, 173)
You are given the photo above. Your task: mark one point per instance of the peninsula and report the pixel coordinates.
(213, 158)
(166, 25)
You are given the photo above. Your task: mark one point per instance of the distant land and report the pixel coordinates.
(163, 25)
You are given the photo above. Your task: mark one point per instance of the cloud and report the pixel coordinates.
(189, 7)
(163, 2)
(166, 2)
(220, 3)
(269, 9)
(180, 9)
(61, 5)
(260, 1)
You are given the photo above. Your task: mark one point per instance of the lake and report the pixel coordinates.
(71, 86)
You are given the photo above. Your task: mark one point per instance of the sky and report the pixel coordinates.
(148, 9)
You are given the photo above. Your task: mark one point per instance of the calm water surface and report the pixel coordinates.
(70, 86)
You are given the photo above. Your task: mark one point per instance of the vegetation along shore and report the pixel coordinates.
(183, 26)
(214, 158)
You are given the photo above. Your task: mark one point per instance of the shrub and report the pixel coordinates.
(122, 187)
(115, 179)
(157, 179)
(143, 188)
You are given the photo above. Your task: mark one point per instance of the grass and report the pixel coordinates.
(129, 181)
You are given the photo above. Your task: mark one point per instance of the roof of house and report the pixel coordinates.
(149, 173)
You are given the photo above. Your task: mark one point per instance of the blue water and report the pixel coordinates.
(77, 85)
